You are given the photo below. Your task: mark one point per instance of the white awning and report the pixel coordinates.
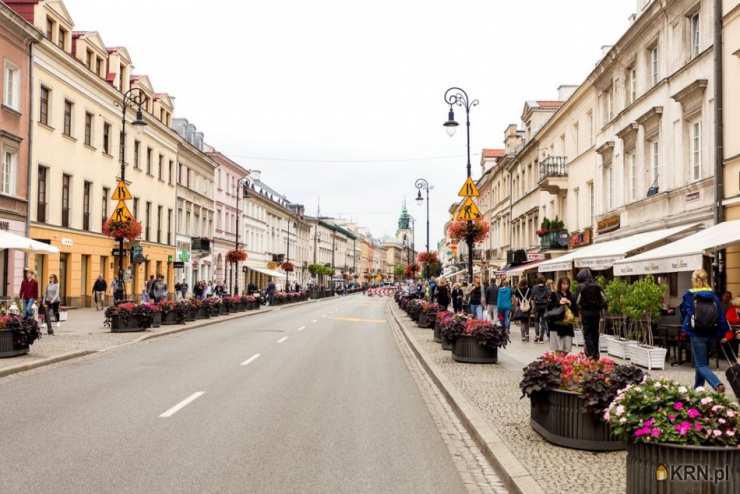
(519, 270)
(268, 272)
(463, 272)
(16, 242)
(604, 255)
(686, 254)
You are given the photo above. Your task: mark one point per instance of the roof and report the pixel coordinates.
(493, 153)
(543, 103)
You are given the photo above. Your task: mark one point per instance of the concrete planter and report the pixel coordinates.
(468, 350)
(672, 463)
(156, 319)
(447, 346)
(125, 324)
(559, 417)
(169, 319)
(437, 333)
(8, 348)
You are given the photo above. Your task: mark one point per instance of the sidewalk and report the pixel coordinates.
(493, 393)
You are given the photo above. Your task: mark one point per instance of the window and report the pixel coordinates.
(67, 128)
(136, 208)
(576, 130)
(187, 222)
(66, 181)
(9, 171)
(50, 24)
(590, 127)
(44, 105)
(88, 128)
(654, 61)
(169, 226)
(169, 175)
(41, 201)
(12, 87)
(106, 138)
(632, 170)
(137, 153)
(148, 161)
(148, 220)
(188, 179)
(62, 41)
(609, 188)
(99, 67)
(590, 203)
(160, 170)
(695, 154)
(86, 206)
(219, 179)
(630, 85)
(218, 220)
(104, 211)
(577, 197)
(89, 59)
(654, 148)
(695, 34)
(159, 224)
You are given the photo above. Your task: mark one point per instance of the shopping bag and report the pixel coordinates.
(62, 315)
(568, 317)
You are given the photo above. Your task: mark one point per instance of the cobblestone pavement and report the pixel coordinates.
(494, 390)
(475, 471)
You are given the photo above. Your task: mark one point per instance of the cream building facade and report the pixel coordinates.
(731, 82)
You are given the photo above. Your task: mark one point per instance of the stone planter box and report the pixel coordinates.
(437, 333)
(190, 315)
(7, 346)
(559, 417)
(708, 462)
(156, 319)
(120, 324)
(169, 319)
(468, 350)
(447, 346)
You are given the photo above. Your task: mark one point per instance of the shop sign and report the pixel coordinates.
(178, 264)
(183, 255)
(609, 224)
(4, 225)
(580, 239)
(67, 242)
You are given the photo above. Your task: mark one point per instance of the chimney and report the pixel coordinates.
(255, 174)
(565, 91)
(198, 140)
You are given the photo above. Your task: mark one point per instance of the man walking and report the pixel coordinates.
(491, 296)
(29, 293)
(99, 289)
(591, 300)
(540, 297)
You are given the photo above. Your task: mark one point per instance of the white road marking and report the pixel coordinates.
(314, 321)
(301, 328)
(282, 340)
(182, 404)
(250, 360)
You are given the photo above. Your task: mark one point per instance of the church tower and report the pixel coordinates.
(404, 226)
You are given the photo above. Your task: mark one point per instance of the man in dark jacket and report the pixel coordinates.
(99, 289)
(591, 301)
(491, 296)
(540, 299)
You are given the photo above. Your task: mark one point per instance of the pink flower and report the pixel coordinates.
(678, 405)
(683, 428)
(717, 432)
(721, 421)
(672, 418)
(707, 400)
(698, 426)
(649, 422)
(655, 432)
(730, 413)
(693, 413)
(730, 433)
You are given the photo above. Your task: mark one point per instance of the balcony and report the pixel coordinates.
(554, 240)
(554, 174)
(201, 244)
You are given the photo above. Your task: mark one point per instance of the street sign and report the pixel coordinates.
(121, 192)
(468, 211)
(116, 252)
(469, 189)
(121, 213)
(178, 264)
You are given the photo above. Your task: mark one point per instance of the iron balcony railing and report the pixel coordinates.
(553, 166)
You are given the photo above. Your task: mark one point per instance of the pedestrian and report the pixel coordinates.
(144, 297)
(149, 286)
(271, 293)
(51, 303)
(184, 289)
(523, 308)
(99, 289)
(491, 300)
(540, 299)
(119, 289)
(561, 327)
(29, 293)
(457, 298)
(591, 300)
(503, 303)
(705, 323)
(160, 289)
(475, 300)
(443, 294)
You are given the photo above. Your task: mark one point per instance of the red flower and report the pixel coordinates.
(236, 255)
(287, 266)
(129, 230)
(459, 230)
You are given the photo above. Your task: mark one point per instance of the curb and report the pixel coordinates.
(44, 362)
(509, 468)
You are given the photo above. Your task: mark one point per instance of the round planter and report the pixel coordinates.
(437, 333)
(425, 321)
(559, 417)
(447, 346)
(169, 319)
(7, 346)
(190, 315)
(682, 469)
(200, 313)
(222, 310)
(468, 350)
(125, 325)
(156, 319)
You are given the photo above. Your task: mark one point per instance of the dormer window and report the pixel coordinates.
(62, 41)
(100, 67)
(50, 25)
(89, 59)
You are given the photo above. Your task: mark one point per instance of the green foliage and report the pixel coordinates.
(398, 270)
(616, 291)
(644, 298)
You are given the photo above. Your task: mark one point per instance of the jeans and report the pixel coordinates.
(492, 312)
(541, 328)
(591, 333)
(505, 317)
(476, 311)
(28, 308)
(700, 352)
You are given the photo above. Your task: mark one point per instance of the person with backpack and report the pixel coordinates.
(491, 300)
(591, 300)
(704, 322)
(503, 304)
(540, 299)
(524, 307)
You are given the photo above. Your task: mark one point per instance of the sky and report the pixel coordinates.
(340, 102)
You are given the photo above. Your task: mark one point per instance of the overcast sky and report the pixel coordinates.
(343, 99)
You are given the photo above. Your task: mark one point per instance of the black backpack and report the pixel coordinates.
(541, 296)
(706, 315)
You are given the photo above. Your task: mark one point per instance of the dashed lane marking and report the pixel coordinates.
(355, 319)
(301, 328)
(182, 404)
(282, 340)
(250, 360)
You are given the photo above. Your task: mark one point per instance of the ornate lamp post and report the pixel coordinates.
(455, 96)
(423, 184)
(137, 99)
(241, 186)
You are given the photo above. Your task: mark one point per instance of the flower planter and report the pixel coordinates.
(559, 417)
(156, 319)
(200, 313)
(222, 309)
(423, 321)
(437, 333)
(468, 350)
(190, 315)
(8, 347)
(169, 319)
(129, 324)
(617, 347)
(648, 462)
(447, 346)
(647, 356)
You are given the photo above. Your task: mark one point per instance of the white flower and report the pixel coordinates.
(682, 390)
(623, 420)
(707, 400)
(730, 433)
(730, 413)
(657, 385)
(606, 416)
(700, 389)
(721, 421)
(620, 411)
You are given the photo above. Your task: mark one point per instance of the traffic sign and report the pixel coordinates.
(468, 211)
(469, 189)
(121, 192)
(121, 214)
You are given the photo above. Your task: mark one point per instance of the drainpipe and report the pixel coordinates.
(719, 185)
(29, 158)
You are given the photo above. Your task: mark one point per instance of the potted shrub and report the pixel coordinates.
(442, 316)
(568, 396)
(143, 315)
(480, 342)
(169, 316)
(669, 429)
(17, 335)
(451, 328)
(616, 343)
(642, 305)
(428, 315)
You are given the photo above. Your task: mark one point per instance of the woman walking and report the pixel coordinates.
(561, 327)
(51, 302)
(704, 322)
(442, 294)
(524, 307)
(503, 303)
(476, 300)
(457, 298)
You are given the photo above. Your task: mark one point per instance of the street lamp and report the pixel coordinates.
(241, 186)
(287, 250)
(136, 98)
(423, 184)
(455, 96)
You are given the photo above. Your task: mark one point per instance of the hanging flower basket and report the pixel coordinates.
(288, 267)
(411, 270)
(427, 258)
(459, 230)
(236, 255)
(130, 230)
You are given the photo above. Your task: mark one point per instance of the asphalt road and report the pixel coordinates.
(328, 406)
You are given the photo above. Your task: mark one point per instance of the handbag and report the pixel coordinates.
(556, 314)
(568, 317)
(524, 305)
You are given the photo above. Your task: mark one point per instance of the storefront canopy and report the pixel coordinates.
(519, 270)
(268, 272)
(604, 255)
(462, 272)
(16, 242)
(686, 254)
